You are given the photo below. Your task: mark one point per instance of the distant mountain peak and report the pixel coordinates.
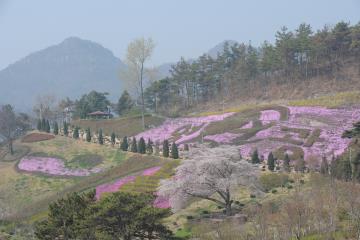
(219, 48)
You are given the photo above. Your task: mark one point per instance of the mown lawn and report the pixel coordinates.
(128, 126)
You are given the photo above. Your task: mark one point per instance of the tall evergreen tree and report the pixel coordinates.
(166, 148)
(286, 163)
(134, 147)
(271, 162)
(124, 104)
(76, 133)
(174, 151)
(100, 137)
(124, 144)
(324, 167)
(88, 135)
(66, 129)
(38, 126)
(47, 128)
(142, 146)
(255, 157)
(43, 124)
(113, 137)
(56, 128)
(149, 147)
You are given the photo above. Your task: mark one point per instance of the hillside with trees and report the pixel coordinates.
(300, 63)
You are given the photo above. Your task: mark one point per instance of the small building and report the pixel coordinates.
(99, 115)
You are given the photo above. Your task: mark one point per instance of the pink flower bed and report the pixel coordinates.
(161, 202)
(115, 186)
(151, 171)
(51, 166)
(112, 187)
(171, 126)
(248, 125)
(332, 123)
(222, 138)
(268, 116)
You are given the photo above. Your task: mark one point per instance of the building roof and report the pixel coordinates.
(98, 113)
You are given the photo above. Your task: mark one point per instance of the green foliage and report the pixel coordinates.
(274, 180)
(47, 126)
(255, 157)
(271, 162)
(353, 132)
(124, 104)
(149, 147)
(142, 146)
(116, 216)
(43, 124)
(39, 126)
(56, 128)
(134, 147)
(64, 217)
(66, 128)
(91, 102)
(165, 148)
(113, 139)
(76, 133)
(174, 151)
(88, 135)
(124, 144)
(100, 137)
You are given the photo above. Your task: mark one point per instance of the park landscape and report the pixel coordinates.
(245, 142)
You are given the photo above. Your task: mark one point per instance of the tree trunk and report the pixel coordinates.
(11, 149)
(142, 96)
(228, 208)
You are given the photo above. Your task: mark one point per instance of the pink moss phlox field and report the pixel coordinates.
(223, 137)
(268, 116)
(331, 122)
(113, 187)
(170, 126)
(151, 171)
(248, 125)
(52, 166)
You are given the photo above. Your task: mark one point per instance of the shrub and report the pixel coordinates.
(289, 187)
(174, 151)
(274, 191)
(142, 146)
(100, 138)
(252, 196)
(166, 148)
(56, 128)
(189, 217)
(124, 144)
(273, 180)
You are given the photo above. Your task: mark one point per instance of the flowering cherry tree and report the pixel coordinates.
(210, 174)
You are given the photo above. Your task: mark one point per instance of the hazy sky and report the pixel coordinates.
(179, 27)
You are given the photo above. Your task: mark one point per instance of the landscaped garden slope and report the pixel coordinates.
(60, 165)
(301, 132)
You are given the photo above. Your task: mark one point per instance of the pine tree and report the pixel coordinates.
(66, 129)
(255, 157)
(142, 146)
(56, 128)
(113, 139)
(134, 147)
(271, 162)
(43, 124)
(88, 135)
(149, 147)
(100, 137)
(124, 144)
(76, 133)
(166, 148)
(324, 167)
(174, 151)
(47, 126)
(286, 163)
(39, 125)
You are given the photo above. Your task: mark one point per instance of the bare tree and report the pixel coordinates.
(44, 106)
(209, 176)
(138, 52)
(11, 125)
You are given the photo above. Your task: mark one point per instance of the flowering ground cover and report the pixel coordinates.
(268, 116)
(223, 137)
(172, 126)
(37, 137)
(51, 166)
